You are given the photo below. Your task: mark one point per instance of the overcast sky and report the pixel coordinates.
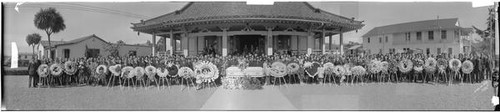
(111, 21)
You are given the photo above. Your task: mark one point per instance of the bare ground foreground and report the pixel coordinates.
(372, 96)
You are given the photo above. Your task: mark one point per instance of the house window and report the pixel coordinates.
(450, 51)
(93, 53)
(66, 53)
(438, 51)
(431, 35)
(419, 35)
(407, 36)
(368, 39)
(380, 40)
(428, 51)
(386, 39)
(132, 53)
(443, 34)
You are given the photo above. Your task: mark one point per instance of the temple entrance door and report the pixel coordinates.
(248, 44)
(282, 44)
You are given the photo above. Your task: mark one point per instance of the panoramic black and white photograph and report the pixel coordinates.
(237, 55)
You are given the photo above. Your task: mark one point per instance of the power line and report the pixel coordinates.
(81, 8)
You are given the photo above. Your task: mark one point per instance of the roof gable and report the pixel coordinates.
(208, 10)
(81, 39)
(414, 26)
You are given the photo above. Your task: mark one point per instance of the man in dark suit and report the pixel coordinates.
(32, 72)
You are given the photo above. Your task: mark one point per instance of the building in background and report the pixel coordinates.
(228, 28)
(92, 46)
(438, 36)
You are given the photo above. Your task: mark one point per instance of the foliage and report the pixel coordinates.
(113, 49)
(50, 21)
(33, 39)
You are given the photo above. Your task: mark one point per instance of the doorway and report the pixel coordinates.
(248, 44)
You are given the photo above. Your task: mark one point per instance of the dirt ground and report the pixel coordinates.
(372, 96)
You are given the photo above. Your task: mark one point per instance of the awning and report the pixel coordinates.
(355, 47)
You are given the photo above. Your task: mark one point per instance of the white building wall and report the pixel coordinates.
(398, 41)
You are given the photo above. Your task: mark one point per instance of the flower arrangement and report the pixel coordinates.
(56, 69)
(405, 66)
(455, 64)
(126, 72)
(384, 66)
(101, 70)
(234, 71)
(442, 64)
(162, 72)
(246, 83)
(254, 71)
(186, 72)
(293, 68)
(375, 66)
(339, 70)
(467, 67)
(172, 70)
(42, 70)
(393, 66)
(329, 68)
(347, 68)
(242, 63)
(311, 69)
(116, 69)
(358, 70)
(430, 65)
(206, 72)
(150, 71)
(139, 72)
(321, 72)
(419, 65)
(70, 67)
(278, 69)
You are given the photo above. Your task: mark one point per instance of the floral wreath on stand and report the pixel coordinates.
(70, 67)
(311, 68)
(405, 66)
(455, 65)
(42, 70)
(139, 72)
(206, 72)
(278, 69)
(358, 70)
(329, 68)
(293, 68)
(186, 72)
(56, 69)
(115, 69)
(150, 71)
(172, 69)
(442, 64)
(419, 65)
(162, 72)
(127, 72)
(430, 65)
(101, 70)
(467, 67)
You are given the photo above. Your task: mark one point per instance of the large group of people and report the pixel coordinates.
(334, 69)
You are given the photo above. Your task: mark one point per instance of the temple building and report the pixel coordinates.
(227, 28)
(437, 36)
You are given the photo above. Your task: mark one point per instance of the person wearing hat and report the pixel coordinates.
(32, 72)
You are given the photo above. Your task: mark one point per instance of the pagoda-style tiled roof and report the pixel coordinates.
(414, 26)
(206, 11)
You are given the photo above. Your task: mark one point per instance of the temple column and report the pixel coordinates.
(165, 43)
(172, 43)
(224, 42)
(341, 44)
(153, 47)
(269, 41)
(310, 43)
(184, 44)
(323, 46)
(331, 42)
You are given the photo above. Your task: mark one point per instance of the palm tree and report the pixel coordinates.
(33, 39)
(50, 21)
